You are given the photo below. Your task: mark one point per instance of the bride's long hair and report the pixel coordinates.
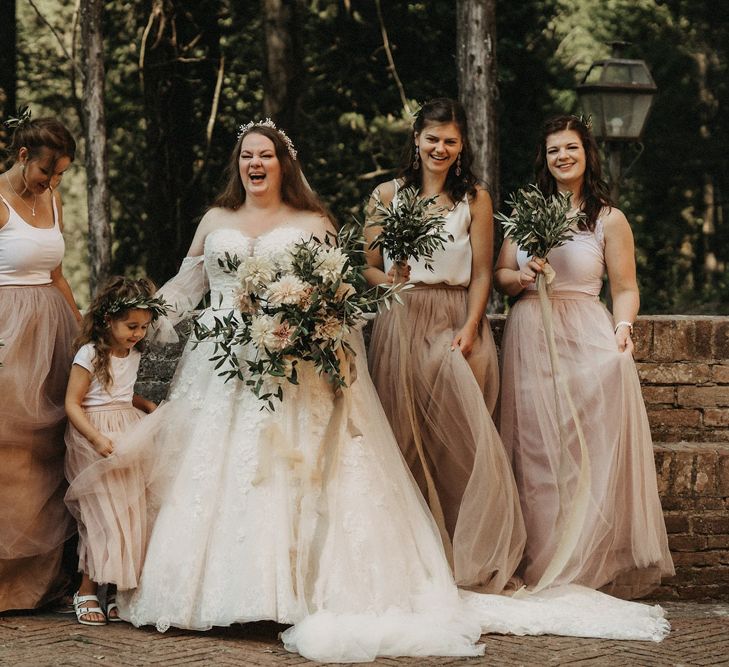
(295, 191)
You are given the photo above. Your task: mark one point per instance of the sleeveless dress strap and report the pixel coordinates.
(55, 209)
(600, 232)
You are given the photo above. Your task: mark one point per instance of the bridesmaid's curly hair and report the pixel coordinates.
(595, 192)
(442, 110)
(104, 309)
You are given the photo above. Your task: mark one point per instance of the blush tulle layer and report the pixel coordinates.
(37, 329)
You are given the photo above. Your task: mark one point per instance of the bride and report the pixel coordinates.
(239, 533)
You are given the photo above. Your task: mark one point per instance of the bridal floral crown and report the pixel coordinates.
(269, 123)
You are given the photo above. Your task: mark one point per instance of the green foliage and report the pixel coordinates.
(351, 126)
(409, 227)
(538, 224)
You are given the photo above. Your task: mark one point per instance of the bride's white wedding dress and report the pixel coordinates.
(259, 515)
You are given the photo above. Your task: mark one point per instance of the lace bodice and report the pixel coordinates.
(236, 243)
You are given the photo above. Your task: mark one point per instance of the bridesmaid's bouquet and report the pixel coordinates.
(296, 304)
(537, 224)
(410, 227)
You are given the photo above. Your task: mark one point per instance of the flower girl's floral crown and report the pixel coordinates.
(269, 123)
(156, 306)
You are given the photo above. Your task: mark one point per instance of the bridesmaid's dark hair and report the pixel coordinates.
(294, 190)
(40, 133)
(442, 110)
(595, 193)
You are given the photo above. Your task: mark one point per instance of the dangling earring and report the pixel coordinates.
(458, 165)
(416, 161)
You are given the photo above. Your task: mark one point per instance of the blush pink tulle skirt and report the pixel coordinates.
(111, 512)
(448, 398)
(622, 546)
(37, 328)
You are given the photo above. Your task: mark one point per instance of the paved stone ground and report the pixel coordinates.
(700, 636)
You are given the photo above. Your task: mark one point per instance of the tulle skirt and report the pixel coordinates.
(37, 328)
(439, 406)
(621, 545)
(297, 516)
(300, 517)
(111, 514)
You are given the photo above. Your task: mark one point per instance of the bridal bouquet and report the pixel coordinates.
(537, 224)
(297, 304)
(410, 228)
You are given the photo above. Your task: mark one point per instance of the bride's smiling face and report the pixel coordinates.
(260, 170)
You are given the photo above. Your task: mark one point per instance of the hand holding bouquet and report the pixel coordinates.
(537, 224)
(409, 227)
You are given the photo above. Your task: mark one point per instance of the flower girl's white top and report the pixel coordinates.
(123, 373)
(452, 263)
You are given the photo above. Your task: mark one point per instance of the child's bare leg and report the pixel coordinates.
(88, 587)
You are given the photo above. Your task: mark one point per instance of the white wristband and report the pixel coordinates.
(624, 324)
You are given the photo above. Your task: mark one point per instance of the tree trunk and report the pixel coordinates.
(95, 135)
(477, 85)
(172, 198)
(706, 266)
(284, 62)
(479, 94)
(8, 55)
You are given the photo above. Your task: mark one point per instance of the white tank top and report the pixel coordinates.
(451, 264)
(29, 254)
(123, 374)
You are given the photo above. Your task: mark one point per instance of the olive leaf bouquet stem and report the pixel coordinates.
(409, 227)
(296, 304)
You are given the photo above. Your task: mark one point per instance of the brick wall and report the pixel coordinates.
(683, 364)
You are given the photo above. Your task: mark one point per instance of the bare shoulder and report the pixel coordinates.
(615, 223)
(319, 225)
(385, 192)
(482, 197)
(480, 202)
(213, 219)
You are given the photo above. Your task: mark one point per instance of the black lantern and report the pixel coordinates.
(618, 94)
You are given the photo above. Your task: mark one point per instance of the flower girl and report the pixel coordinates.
(100, 402)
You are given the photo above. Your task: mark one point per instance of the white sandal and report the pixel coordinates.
(78, 600)
(112, 606)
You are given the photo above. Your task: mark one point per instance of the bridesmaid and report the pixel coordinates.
(434, 362)
(620, 544)
(38, 321)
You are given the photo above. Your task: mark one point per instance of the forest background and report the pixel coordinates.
(181, 75)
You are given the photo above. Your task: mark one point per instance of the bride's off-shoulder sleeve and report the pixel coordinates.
(183, 292)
